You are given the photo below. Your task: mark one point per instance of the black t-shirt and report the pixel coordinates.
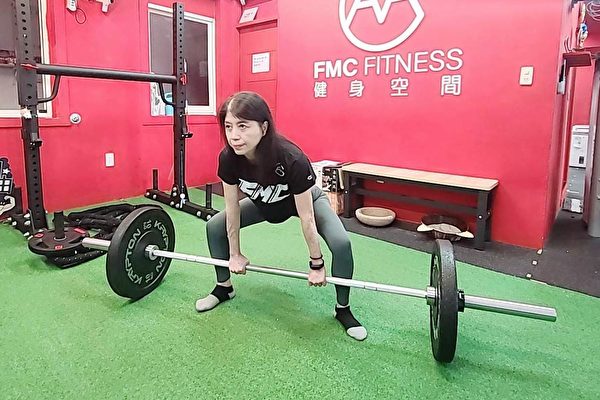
(291, 172)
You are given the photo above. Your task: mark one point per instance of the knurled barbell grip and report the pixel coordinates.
(152, 251)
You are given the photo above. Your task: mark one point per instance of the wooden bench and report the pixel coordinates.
(355, 174)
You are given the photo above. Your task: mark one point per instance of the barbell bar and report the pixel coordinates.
(475, 302)
(141, 249)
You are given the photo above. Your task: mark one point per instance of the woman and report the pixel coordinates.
(279, 182)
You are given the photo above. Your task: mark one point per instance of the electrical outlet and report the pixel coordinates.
(526, 78)
(109, 159)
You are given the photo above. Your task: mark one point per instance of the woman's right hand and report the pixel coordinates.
(237, 264)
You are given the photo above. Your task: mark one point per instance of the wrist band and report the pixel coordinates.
(317, 266)
(316, 258)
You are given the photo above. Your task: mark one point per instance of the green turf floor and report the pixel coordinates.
(65, 335)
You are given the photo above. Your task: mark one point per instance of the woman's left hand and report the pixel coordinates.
(317, 277)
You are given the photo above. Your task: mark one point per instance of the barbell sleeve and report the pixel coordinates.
(96, 244)
(510, 308)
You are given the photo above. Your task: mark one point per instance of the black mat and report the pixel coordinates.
(570, 259)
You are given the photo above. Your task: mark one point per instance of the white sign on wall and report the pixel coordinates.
(248, 15)
(261, 62)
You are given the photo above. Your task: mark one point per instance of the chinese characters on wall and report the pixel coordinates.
(450, 85)
(396, 69)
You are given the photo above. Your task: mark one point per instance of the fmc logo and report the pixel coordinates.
(381, 15)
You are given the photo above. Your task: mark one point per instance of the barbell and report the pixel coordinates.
(141, 250)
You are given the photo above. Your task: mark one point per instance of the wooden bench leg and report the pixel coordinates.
(352, 201)
(488, 232)
(482, 233)
(347, 202)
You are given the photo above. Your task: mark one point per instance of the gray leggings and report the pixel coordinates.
(328, 224)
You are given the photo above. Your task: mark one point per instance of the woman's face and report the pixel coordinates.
(244, 135)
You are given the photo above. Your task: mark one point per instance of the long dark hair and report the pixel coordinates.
(251, 106)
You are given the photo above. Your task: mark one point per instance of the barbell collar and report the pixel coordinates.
(431, 295)
(149, 252)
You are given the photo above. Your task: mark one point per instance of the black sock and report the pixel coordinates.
(222, 292)
(344, 315)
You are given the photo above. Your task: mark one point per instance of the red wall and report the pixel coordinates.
(116, 115)
(494, 129)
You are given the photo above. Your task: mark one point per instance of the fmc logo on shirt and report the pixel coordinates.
(269, 194)
(381, 14)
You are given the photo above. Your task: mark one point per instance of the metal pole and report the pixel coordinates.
(26, 41)
(480, 303)
(180, 128)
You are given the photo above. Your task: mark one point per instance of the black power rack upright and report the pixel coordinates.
(27, 71)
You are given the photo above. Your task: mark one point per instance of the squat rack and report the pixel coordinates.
(27, 71)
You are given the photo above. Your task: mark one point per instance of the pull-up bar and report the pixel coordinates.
(100, 73)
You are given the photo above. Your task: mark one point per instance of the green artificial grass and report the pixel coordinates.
(66, 335)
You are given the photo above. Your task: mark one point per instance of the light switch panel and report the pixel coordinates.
(526, 78)
(109, 159)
